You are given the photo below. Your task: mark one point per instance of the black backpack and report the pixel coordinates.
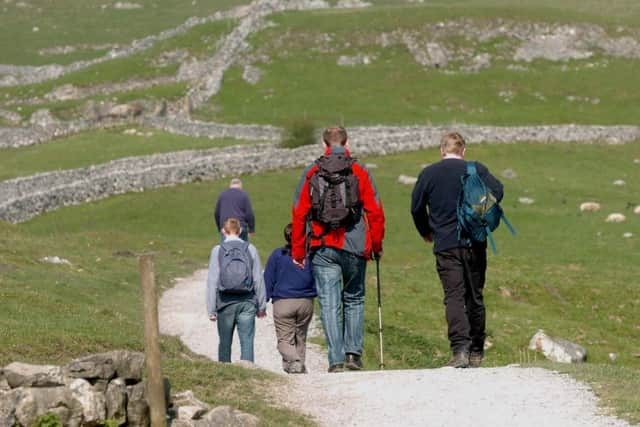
(236, 267)
(334, 192)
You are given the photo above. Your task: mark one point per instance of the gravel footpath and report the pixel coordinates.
(506, 396)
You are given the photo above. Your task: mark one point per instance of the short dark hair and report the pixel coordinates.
(336, 135)
(287, 233)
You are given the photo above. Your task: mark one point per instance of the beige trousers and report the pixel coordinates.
(291, 317)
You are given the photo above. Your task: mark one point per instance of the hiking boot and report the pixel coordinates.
(353, 362)
(475, 359)
(338, 367)
(459, 360)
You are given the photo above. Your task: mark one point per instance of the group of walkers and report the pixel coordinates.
(338, 224)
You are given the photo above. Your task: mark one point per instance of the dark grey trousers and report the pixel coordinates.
(462, 273)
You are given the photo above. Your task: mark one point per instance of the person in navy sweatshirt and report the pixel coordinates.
(291, 290)
(461, 262)
(234, 202)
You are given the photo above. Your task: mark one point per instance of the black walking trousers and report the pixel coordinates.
(462, 273)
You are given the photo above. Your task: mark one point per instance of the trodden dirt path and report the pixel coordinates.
(506, 396)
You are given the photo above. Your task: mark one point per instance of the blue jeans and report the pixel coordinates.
(243, 315)
(339, 278)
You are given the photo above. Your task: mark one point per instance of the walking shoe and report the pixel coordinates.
(475, 359)
(297, 367)
(353, 362)
(459, 360)
(338, 367)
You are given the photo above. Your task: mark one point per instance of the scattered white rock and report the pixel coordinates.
(479, 62)
(507, 95)
(352, 61)
(539, 96)
(509, 173)
(35, 29)
(557, 349)
(526, 200)
(371, 166)
(619, 182)
(64, 93)
(627, 235)
(55, 260)
(123, 5)
(636, 161)
(407, 180)
(251, 74)
(352, 3)
(616, 217)
(130, 132)
(558, 46)
(589, 207)
(613, 356)
(517, 67)
(636, 210)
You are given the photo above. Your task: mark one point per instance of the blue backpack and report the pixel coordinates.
(478, 210)
(236, 267)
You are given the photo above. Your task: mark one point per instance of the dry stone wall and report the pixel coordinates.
(207, 75)
(93, 389)
(43, 131)
(23, 198)
(15, 75)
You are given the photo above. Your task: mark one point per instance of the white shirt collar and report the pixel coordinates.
(452, 156)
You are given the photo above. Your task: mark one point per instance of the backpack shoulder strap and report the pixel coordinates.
(471, 168)
(245, 247)
(508, 224)
(223, 250)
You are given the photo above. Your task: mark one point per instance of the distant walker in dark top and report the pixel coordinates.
(461, 262)
(234, 202)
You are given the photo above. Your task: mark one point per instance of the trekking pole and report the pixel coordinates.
(379, 313)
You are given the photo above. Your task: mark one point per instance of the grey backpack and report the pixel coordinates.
(236, 266)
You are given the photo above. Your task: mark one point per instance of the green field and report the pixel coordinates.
(78, 23)
(198, 42)
(395, 89)
(569, 273)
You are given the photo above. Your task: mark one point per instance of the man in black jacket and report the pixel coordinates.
(461, 263)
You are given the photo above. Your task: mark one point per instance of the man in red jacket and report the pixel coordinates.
(339, 252)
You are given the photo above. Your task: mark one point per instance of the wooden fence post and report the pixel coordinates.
(155, 384)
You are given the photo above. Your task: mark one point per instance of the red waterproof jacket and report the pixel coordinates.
(361, 239)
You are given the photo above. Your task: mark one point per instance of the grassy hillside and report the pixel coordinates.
(393, 88)
(198, 42)
(26, 27)
(567, 272)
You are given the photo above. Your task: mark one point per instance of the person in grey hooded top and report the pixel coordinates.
(235, 309)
